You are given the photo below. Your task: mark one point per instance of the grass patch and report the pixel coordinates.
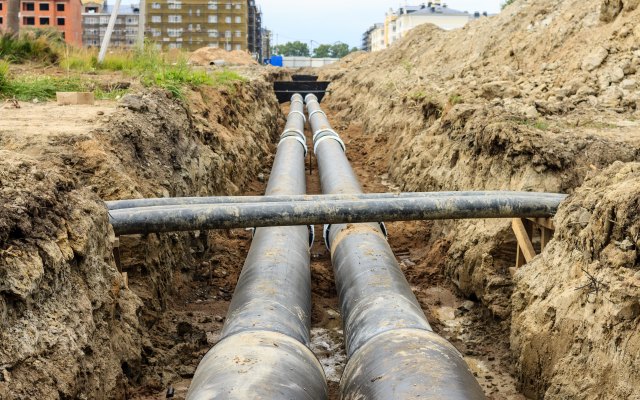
(539, 123)
(39, 45)
(455, 99)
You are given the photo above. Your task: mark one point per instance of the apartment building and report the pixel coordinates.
(399, 22)
(191, 24)
(63, 15)
(367, 37)
(266, 45)
(95, 18)
(254, 34)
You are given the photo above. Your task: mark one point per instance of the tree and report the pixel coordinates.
(13, 16)
(322, 51)
(507, 3)
(339, 50)
(293, 49)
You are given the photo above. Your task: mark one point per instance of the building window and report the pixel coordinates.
(29, 21)
(213, 19)
(213, 5)
(60, 7)
(227, 20)
(155, 6)
(214, 45)
(228, 6)
(227, 34)
(60, 21)
(28, 7)
(175, 19)
(44, 6)
(175, 5)
(213, 33)
(174, 32)
(238, 47)
(155, 32)
(238, 20)
(156, 19)
(238, 6)
(1, 17)
(0, 6)
(44, 20)
(238, 34)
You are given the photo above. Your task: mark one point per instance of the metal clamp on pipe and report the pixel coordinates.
(313, 98)
(298, 112)
(292, 132)
(322, 139)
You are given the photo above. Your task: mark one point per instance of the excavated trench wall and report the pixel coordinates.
(68, 327)
(516, 102)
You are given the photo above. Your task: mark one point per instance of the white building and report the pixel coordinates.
(399, 22)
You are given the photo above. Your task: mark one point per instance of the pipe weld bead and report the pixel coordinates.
(299, 140)
(324, 132)
(298, 112)
(312, 235)
(324, 138)
(317, 112)
(313, 98)
(294, 132)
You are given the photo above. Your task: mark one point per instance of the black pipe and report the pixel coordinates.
(241, 215)
(263, 351)
(185, 201)
(391, 349)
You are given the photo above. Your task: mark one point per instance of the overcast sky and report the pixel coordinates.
(329, 21)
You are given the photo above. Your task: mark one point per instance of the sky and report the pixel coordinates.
(330, 21)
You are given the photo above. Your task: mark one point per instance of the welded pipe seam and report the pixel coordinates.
(337, 139)
(311, 114)
(298, 112)
(321, 131)
(298, 132)
(175, 201)
(298, 139)
(327, 230)
(228, 216)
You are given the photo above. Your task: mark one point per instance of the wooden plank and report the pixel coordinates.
(523, 236)
(544, 222)
(116, 253)
(545, 236)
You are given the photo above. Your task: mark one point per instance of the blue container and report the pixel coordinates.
(276, 61)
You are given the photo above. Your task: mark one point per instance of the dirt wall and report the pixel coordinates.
(69, 328)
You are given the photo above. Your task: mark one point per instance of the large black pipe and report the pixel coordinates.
(263, 352)
(186, 201)
(391, 349)
(245, 215)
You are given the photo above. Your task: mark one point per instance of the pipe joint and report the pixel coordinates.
(310, 97)
(327, 231)
(318, 111)
(324, 138)
(298, 112)
(324, 132)
(298, 139)
(294, 132)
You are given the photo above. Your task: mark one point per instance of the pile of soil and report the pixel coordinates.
(207, 56)
(537, 98)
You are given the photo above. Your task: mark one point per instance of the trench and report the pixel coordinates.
(195, 312)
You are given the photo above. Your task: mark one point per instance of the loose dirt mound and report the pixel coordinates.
(577, 306)
(534, 99)
(207, 56)
(66, 319)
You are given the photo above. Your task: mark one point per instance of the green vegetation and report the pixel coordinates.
(293, 49)
(152, 67)
(506, 3)
(42, 45)
(455, 99)
(336, 50)
(539, 123)
(419, 95)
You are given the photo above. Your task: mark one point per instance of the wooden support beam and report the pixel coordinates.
(543, 222)
(545, 236)
(116, 253)
(523, 230)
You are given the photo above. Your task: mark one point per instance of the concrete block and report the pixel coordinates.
(74, 98)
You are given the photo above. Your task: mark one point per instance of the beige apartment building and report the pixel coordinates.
(192, 24)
